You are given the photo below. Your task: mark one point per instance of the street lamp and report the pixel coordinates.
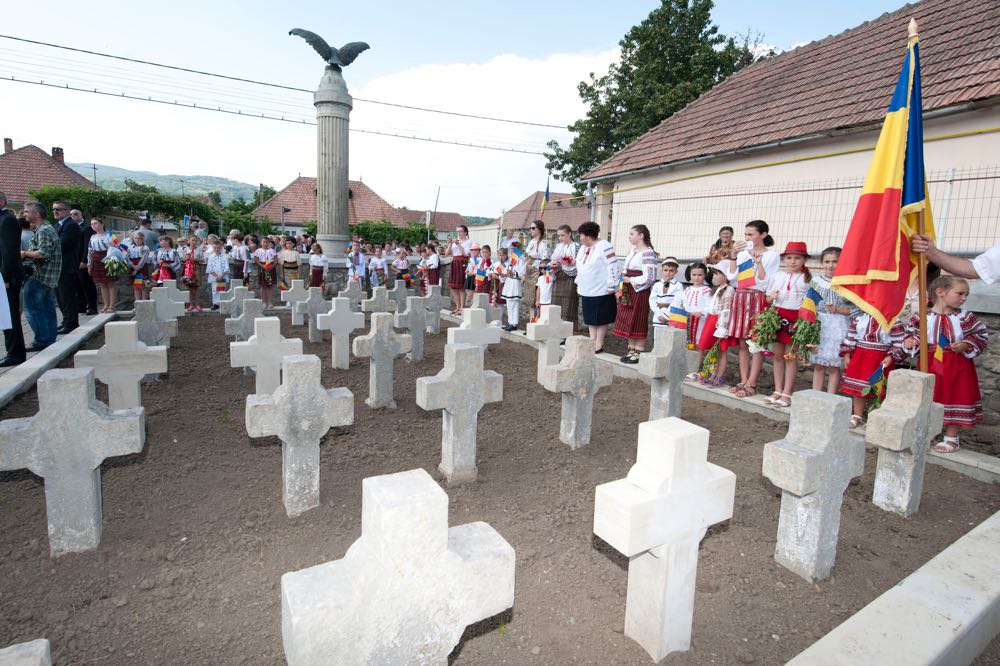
(283, 211)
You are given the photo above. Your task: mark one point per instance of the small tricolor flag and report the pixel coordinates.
(677, 317)
(807, 310)
(480, 273)
(942, 343)
(220, 285)
(516, 253)
(876, 376)
(745, 278)
(405, 276)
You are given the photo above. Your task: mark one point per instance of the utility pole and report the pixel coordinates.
(283, 211)
(94, 166)
(438, 196)
(182, 186)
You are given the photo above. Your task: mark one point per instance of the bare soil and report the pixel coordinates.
(196, 539)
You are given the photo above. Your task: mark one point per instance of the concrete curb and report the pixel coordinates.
(21, 378)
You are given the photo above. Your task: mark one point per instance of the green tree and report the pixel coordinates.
(216, 197)
(136, 186)
(127, 202)
(667, 61)
(261, 195)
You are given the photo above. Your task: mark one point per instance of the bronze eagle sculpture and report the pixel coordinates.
(335, 58)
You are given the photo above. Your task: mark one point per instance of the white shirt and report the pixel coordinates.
(770, 260)
(537, 251)
(791, 289)
(988, 265)
(319, 261)
(661, 297)
(565, 250)
(596, 269)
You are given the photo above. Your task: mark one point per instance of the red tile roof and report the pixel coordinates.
(840, 82)
(443, 221)
(300, 196)
(562, 209)
(29, 168)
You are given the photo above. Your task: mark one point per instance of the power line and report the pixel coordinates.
(263, 116)
(276, 85)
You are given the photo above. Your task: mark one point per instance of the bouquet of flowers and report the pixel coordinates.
(710, 362)
(115, 264)
(805, 338)
(765, 330)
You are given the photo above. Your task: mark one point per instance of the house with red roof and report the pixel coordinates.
(299, 197)
(789, 139)
(30, 168)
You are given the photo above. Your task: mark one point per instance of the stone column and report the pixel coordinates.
(333, 111)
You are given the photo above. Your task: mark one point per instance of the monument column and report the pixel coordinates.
(333, 112)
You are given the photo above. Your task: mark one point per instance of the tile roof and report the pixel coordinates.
(443, 221)
(300, 196)
(844, 81)
(563, 208)
(30, 167)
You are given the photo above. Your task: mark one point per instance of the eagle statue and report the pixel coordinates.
(335, 58)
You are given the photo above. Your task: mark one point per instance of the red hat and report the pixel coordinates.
(796, 247)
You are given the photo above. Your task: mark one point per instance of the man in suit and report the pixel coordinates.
(69, 240)
(86, 292)
(13, 276)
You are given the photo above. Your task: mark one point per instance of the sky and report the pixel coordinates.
(515, 60)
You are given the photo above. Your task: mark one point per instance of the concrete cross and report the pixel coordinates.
(434, 304)
(231, 304)
(33, 653)
(902, 429)
(122, 363)
(382, 345)
(578, 376)
(665, 365)
(474, 331)
(405, 590)
(152, 330)
(656, 517)
(379, 302)
(398, 294)
(340, 321)
(414, 319)
(263, 352)
(299, 413)
(549, 331)
(65, 443)
(813, 466)
(482, 301)
(295, 294)
(173, 293)
(312, 307)
(353, 293)
(460, 390)
(166, 307)
(242, 327)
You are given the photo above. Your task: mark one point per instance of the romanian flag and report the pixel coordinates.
(876, 267)
(481, 272)
(677, 317)
(516, 253)
(877, 376)
(745, 278)
(545, 199)
(405, 276)
(807, 310)
(942, 343)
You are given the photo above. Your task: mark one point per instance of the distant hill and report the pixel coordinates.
(476, 219)
(113, 178)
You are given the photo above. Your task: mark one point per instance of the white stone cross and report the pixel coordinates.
(434, 304)
(166, 307)
(174, 293)
(312, 307)
(151, 329)
(482, 301)
(414, 319)
(295, 294)
(578, 376)
(813, 466)
(398, 294)
(902, 429)
(666, 366)
(65, 443)
(474, 331)
(242, 327)
(405, 590)
(460, 390)
(382, 345)
(379, 302)
(340, 321)
(299, 413)
(549, 331)
(231, 304)
(33, 653)
(263, 352)
(122, 362)
(657, 516)
(353, 293)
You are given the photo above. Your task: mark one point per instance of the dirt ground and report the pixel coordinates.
(196, 539)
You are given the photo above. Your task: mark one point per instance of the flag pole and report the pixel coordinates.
(922, 298)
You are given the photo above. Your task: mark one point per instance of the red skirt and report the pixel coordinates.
(785, 332)
(863, 363)
(484, 286)
(165, 272)
(434, 276)
(316, 277)
(747, 304)
(96, 269)
(632, 320)
(708, 339)
(956, 386)
(456, 275)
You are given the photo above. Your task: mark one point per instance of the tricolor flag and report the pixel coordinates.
(405, 276)
(942, 343)
(516, 253)
(876, 267)
(807, 310)
(745, 278)
(677, 317)
(876, 376)
(545, 199)
(481, 272)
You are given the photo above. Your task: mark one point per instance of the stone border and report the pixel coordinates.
(21, 378)
(974, 465)
(945, 612)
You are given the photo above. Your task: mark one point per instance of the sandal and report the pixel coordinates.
(855, 421)
(736, 388)
(715, 381)
(771, 399)
(781, 402)
(747, 391)
(691, 377)
(632, 357)
(946, 446)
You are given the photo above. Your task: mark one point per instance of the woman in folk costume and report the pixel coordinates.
(289, 260)
(870, 353)
(97, 250)
(696, 301)
(563, 270)
(537, 252)
(459, 251)
(596, 282)
(319, 266)
(639, 274)
(955, 337)
(378, 268)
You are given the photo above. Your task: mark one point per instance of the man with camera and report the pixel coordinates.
(43, 264)
(13, 277)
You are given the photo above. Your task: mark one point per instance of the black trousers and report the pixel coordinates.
(86, 293)
(14, 337)
(68, 304)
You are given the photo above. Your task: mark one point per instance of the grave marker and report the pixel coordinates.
(666, 366)
(578, 376)
(405, 590)
(151, 329)
(460, 390)
(122, 362)
(474, 331)
(340, 321)
(174, 293)
(902, 429)
(166, 308)
(33, 653)
(549, 330)
(434, 304)
(382, 345)
(231, 303)
(414, 319)
(312, 307)
(295, 294)
(65, 443)
(299, 413)
(657, 516)
(263, 352)
(242, 327)
(813, 466)
(398, 294)
(353, 293)
(482, 302)
(379, 302)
